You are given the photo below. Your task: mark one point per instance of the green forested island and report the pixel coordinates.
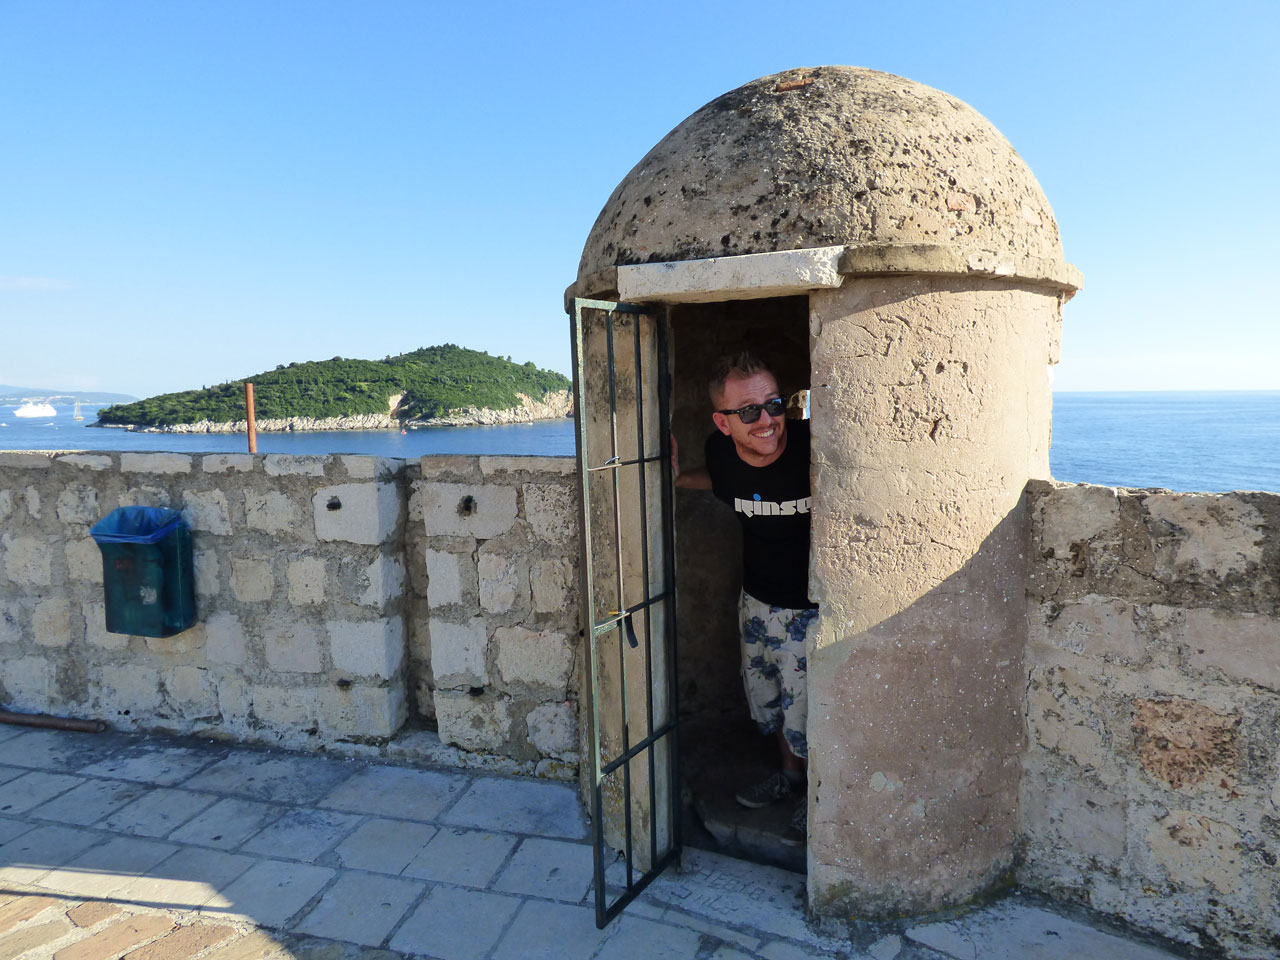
(430, 382)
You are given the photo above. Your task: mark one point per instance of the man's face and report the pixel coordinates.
(759, 443)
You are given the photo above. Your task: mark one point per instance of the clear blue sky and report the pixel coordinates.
(194, 192)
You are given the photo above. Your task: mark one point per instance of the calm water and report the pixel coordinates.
(1182, 441)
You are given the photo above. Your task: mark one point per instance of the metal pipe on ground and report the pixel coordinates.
(53, 723)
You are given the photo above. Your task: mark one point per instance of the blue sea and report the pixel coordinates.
(1192, 441)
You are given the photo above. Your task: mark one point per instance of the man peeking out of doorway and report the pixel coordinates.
(758, 464)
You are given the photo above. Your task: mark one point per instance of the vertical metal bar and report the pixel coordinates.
(622, 600)
(587, 606)
(669, 574)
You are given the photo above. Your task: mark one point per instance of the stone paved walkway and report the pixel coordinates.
(114, 845)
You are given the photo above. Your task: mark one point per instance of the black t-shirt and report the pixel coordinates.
(772, 505)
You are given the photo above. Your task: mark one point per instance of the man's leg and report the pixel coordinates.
(764, 658)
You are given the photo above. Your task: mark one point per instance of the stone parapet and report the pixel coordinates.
(1151, 781)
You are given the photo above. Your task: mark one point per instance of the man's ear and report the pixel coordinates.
(721, 422)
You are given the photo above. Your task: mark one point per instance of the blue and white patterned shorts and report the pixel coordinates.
(773, 668)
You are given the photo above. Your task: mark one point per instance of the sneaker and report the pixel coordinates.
(798, 829)
(766, 792)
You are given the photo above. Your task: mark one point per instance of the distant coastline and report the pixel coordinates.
(555, 406)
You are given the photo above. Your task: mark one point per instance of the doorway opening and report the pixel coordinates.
(721, 749)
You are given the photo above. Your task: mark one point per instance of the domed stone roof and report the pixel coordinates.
(821, 156)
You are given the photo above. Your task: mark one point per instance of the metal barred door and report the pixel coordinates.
(621, 393)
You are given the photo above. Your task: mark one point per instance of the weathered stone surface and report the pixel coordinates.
(95, 628)
(552, 512)
(208, 581)
(458, 653)
(870, 158)
(11, 621)
(1182, 742)
(155, 463)
(78, 503)
(133, 688)
(252, 580)
(503, 582)
(227, 463)
(1219, 533)
(356, 512)
(84, 560)
(552, 584)
(553, 730)
(363, 711)
(307, 581)
(207, 511)
(225, 640)
(192, 689)
(527, 659)
(1196, 850)
(271, 512)
(27, 683)
(287, 465)
(473, 723)
(293, 647)
(86, 461)
(468, 510)
(444, 578)
(367, 648)
(1244, 646)
(385, 578)
(26, 560)
(26, 461)
(6, 504)
(1077, 514)
(1098, 627)
(144, 496)
(51, 623)
(32, 496)
(284, 707)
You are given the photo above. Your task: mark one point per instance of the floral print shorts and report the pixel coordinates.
(773, 668)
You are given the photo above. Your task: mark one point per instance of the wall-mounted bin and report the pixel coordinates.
(147, 571)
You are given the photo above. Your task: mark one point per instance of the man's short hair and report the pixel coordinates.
(734, 366)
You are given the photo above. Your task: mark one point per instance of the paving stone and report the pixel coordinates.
(397, 792)
(520, 806)
(8, 731)
(550, 931)
(262, 776)
(676, 918)
(27, 858)
(22, 909)
(384, 846)
(256, 946)
(158, 812)
(648, 940)
(92, 913)
(738, 893)
(117, 938)
(191, 878)
(303, 834)
(781, 950)
(32, 790)
(90, 801)
(151, 763)
(9, 829)
(32, 938)
(57, 749)
(456, 924)
(183, 941)
(272, 891)
(226, 824)
(10, 773)
(1012, 931)
(731, 953)
(105, 868)
(548, 868)
(470, 858)
(361, 908)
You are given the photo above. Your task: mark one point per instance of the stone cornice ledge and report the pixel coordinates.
(936, 259)
(791, 272)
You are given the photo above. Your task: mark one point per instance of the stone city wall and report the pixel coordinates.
(1151, 788)
(314, 612)
(493, 564)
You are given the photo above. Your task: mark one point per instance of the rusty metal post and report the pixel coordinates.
(252, 420)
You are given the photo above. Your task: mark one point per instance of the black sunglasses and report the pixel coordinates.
(751, 412)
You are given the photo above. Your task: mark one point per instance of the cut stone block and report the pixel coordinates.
(364, 513)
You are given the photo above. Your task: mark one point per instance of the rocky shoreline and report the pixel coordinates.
(554, 406)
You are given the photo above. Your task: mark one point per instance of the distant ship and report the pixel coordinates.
(78, 414)
(33, 409)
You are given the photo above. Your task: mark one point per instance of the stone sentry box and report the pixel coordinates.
(882, 243)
